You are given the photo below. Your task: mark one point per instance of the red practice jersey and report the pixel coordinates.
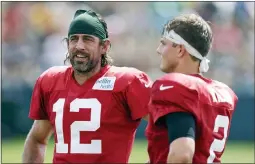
(94, 122)
(212, 104)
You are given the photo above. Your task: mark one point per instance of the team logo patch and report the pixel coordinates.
(104, 83)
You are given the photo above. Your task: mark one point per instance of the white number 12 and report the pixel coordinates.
(75, 146)
(218, 145)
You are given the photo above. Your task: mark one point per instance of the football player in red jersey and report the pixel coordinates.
(92, 108)
(190, 115)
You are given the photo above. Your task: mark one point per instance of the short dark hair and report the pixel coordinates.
(106, 59)
(194, 30)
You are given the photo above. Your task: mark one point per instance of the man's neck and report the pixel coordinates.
(186, 70)
(81, 78)
(188, 67)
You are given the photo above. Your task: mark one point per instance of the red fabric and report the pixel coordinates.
(189, 93)
(109, 116)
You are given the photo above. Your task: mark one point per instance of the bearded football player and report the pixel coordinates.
(190, 115)
(92, 107)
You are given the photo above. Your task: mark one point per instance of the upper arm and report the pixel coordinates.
(37, 104)
(180, 124)
(181, 132)
(41, 131)
(181, 150)
(138, 96)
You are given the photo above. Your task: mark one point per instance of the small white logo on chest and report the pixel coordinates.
(165, 87)
(104, 83)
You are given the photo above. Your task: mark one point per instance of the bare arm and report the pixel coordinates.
(181, 132)
(36, 141)
(181, 150)
(146, 118)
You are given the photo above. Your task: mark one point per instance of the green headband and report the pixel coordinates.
(84, 23)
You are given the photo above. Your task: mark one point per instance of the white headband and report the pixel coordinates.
(177, 39)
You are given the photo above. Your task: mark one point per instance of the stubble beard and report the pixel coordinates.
(84, 67)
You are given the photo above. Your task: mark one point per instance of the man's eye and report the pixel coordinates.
(73, 38)
(88, 39)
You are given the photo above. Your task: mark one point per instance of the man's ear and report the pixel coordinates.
(106, 44)
(181, 50)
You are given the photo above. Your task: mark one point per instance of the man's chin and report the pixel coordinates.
(162, 68)
(82, 69)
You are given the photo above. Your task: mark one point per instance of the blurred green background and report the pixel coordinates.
(32, 34)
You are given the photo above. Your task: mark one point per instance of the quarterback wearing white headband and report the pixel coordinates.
(186, 108)
(177, 39)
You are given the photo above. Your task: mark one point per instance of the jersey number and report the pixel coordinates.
(221, 95)
(77, 126)
(218, 145)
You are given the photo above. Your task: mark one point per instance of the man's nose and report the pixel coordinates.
(158, 50)
(80, 44)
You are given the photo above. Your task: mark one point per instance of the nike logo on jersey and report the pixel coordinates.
(165, 87)
(104, 83)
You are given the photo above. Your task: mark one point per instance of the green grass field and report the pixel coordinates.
(236, 152)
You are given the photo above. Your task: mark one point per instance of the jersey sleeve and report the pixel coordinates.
(169, 97)
(37, 104)
(180, 124)
(138, 96)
